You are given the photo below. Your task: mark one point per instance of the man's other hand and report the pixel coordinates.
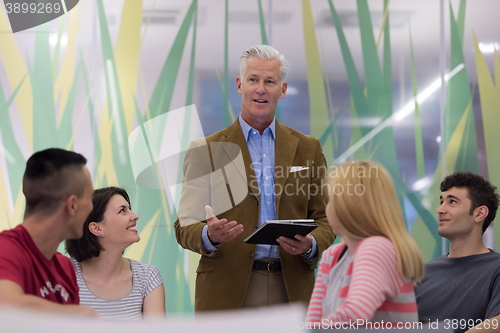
(221, 231)
(295, 246)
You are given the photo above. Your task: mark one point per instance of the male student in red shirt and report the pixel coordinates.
(58, 190)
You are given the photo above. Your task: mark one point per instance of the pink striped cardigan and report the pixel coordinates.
(374, 290)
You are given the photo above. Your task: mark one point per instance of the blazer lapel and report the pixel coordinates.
(285, 148)
(234, 134)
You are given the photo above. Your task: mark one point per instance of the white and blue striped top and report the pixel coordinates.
(145, 279)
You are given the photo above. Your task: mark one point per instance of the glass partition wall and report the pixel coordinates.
(410, 84)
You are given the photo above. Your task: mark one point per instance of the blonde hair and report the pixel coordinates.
(363, 202)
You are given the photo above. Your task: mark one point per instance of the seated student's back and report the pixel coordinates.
(369, 277)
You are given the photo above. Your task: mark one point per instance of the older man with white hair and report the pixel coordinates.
(284, 171)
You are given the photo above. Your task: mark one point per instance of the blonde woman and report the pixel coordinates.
(369, 277)
(116, 287)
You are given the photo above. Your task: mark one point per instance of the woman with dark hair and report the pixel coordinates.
(116, 287)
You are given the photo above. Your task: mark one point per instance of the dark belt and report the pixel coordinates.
(273, 266)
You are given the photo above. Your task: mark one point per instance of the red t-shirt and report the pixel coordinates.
(22, 262)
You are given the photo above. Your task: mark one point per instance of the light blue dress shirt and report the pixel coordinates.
(261, 150)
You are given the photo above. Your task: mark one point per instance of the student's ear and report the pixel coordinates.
(480, 213)
(71, 205)
(95, 228)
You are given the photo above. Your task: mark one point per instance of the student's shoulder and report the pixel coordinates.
(12, 235)
(12, 243)
(436, 264)
(8, 238)
(376, 242)
(494, 255)
(142, 267)
(334, 249)
(490, 259)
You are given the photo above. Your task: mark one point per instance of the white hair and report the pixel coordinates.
(264, 52)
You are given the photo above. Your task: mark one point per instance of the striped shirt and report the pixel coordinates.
(370, 287)
(145, 278)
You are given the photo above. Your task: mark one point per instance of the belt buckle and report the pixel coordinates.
(271, 267)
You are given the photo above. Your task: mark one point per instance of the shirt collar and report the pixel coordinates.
(246, 128)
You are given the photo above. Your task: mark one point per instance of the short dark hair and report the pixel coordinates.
(52, 175)
(480, 191)
(88, 246)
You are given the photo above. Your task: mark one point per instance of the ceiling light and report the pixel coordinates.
(397, 116)
(421, 184)
(410, 106)
(53, 40)
(488, 47)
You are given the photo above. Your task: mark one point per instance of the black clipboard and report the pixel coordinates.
(272, 229)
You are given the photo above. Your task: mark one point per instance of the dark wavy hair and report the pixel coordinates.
(480, 191)
(88, 246)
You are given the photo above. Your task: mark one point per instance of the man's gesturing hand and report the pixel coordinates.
(221, 231)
